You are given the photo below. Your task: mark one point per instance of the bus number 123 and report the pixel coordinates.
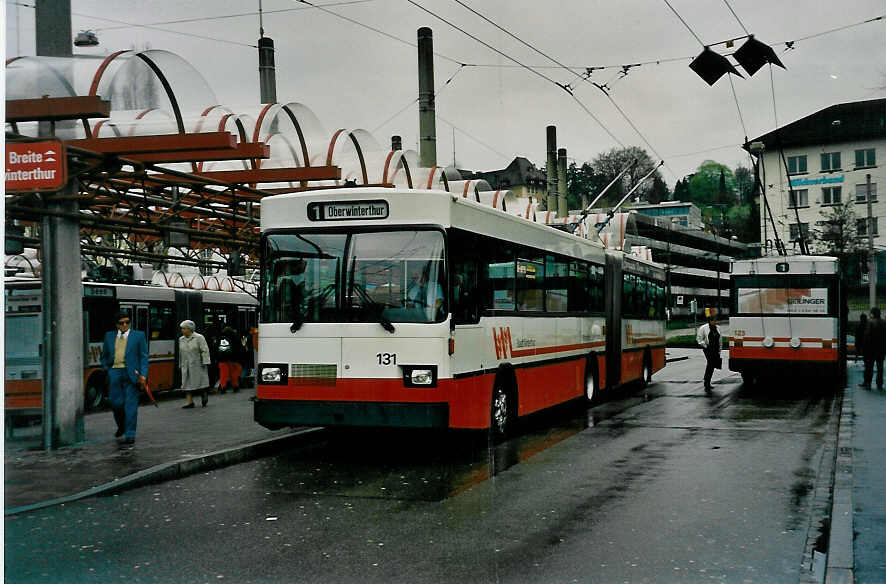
(386, 358)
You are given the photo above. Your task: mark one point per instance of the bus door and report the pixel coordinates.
(614, 287)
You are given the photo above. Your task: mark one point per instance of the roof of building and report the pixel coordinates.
(520, 171)
(844, 122)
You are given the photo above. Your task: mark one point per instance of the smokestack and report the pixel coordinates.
(562, 204)
(551, 167)
(267, 77)
(396, 143)
(427, 128)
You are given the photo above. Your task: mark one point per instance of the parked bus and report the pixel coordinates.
(786, 317)
(155, 310)
(382, 307)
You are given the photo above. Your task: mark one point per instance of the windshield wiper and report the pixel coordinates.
(378, 307)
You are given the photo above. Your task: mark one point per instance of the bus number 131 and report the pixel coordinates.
(386, 358)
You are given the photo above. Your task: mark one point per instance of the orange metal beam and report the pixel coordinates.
(129, 145)
(242, 150)
(46, 109)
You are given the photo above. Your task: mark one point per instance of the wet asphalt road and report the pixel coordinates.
(664, 484)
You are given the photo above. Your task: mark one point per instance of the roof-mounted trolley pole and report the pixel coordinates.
(599, 196)
(612, 211)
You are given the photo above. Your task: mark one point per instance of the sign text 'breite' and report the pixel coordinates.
(35, 166)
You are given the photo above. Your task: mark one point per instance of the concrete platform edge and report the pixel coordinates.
(840, 558)
(181, 468)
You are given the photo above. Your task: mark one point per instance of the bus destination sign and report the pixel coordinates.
(35, 166)
(348, 211)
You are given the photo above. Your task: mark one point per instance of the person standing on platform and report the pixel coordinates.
(193, 360)
(230, 360)
(708, 337)
(125, 359)
(874, 349)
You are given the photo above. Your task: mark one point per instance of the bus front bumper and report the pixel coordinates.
(274, 414)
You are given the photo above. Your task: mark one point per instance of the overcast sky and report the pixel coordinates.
(352, 77)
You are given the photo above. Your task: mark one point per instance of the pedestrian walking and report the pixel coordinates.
(193, 360)
(230, 360)
(860, 332)
(125, 359)
(708, 337)
(874, 349)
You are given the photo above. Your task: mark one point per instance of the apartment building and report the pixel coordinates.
(821, 161)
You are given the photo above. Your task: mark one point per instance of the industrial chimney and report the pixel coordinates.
(551, 167)
(427, 127)
(562, 204)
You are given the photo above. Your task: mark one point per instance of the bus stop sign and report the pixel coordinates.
(35, 166)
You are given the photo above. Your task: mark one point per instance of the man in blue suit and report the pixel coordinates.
(125, 358)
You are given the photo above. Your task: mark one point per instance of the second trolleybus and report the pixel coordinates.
(786, 317)
(384, 307)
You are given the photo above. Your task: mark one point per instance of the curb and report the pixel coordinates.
(675, 359)
(182, 468)
(840, 557)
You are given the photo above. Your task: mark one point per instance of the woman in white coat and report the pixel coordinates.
(193, 360)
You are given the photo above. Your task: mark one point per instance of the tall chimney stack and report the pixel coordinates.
(551, 167)
(562, 204)
(427, 126)
(267, 76)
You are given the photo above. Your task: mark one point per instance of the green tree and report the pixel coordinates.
(744, 182)
(836, 234)
(582, 180)
(681, 190)
(705, 184)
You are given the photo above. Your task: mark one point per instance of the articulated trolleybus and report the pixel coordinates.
(785, 317)
(384, 307)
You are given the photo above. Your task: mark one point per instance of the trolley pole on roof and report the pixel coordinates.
(62, 341)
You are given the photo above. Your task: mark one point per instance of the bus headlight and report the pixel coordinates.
(419, 375)
(273, 374)
(422, 377)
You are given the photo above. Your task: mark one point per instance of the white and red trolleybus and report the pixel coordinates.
(785, 317)
(155, 310)
(384, 307)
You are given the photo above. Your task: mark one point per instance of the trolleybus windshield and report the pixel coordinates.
(797, 295)
(383, 276)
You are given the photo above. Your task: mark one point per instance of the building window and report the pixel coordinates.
(861, 226)
(861, 193)
(831, 195)
(865, 158)
(796, 164)
(798, 198)
(794, 233)
(830, 161)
